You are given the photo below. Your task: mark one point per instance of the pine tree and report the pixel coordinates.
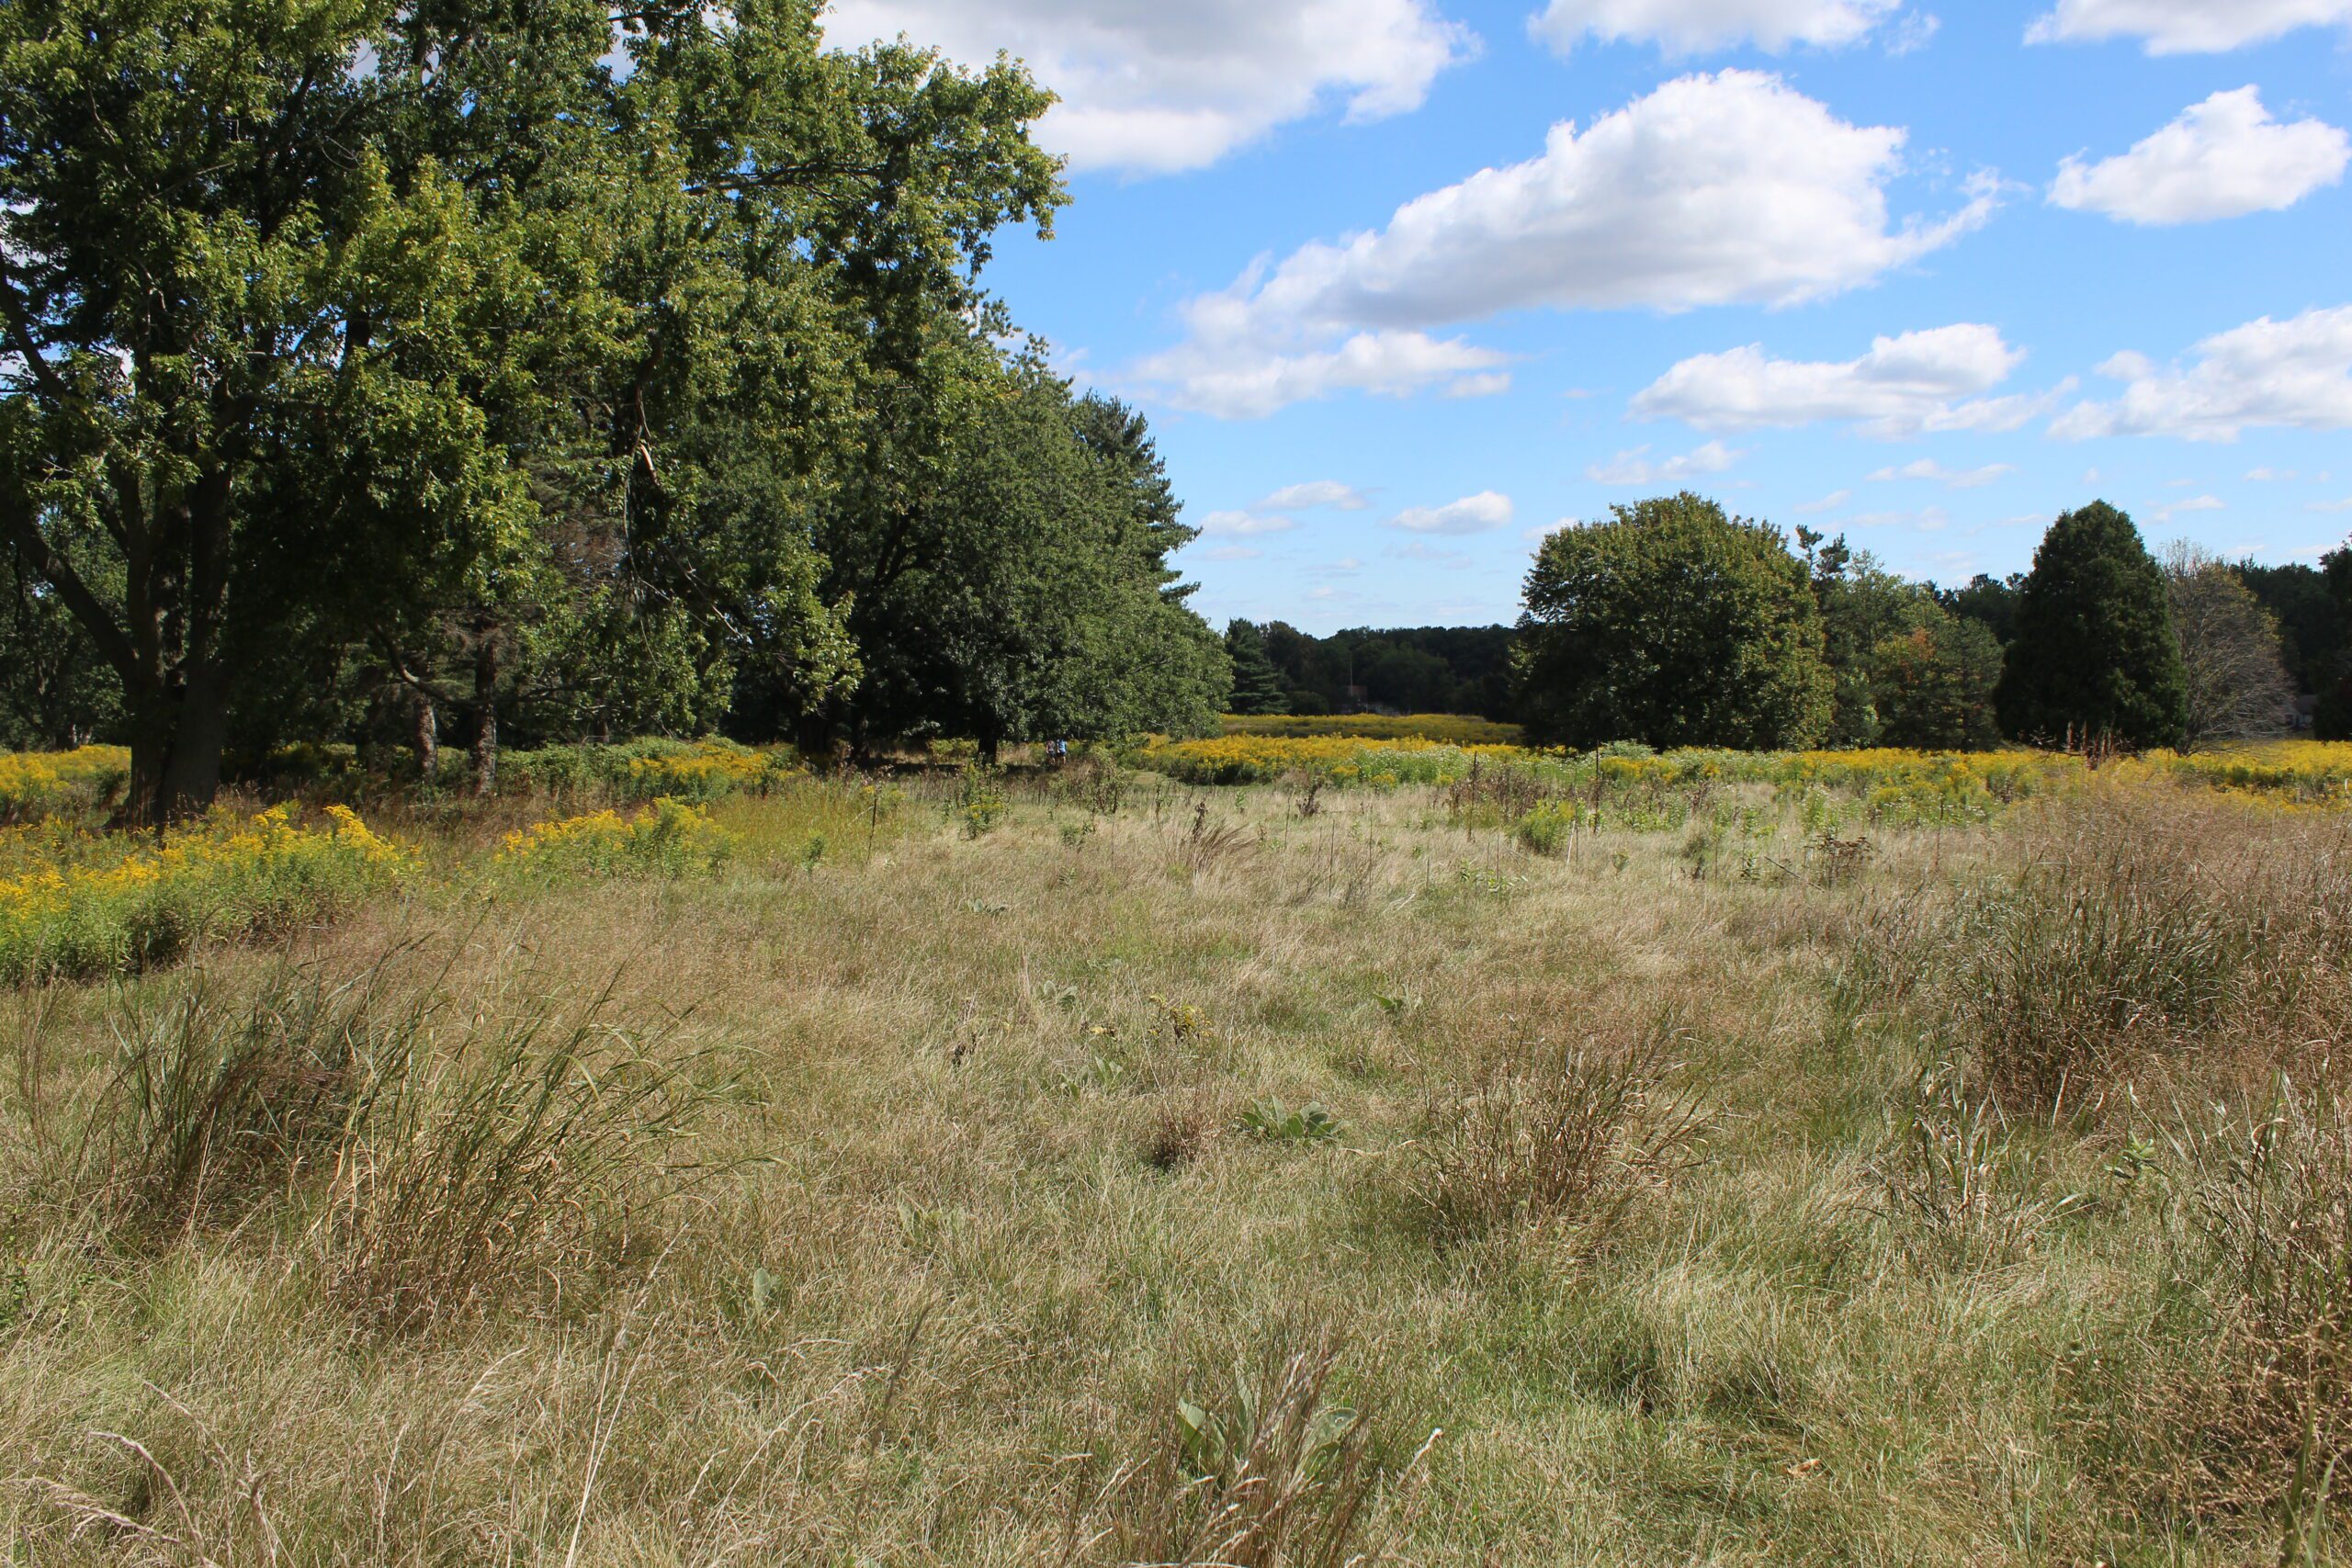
(2095, 658)
(1257, 686)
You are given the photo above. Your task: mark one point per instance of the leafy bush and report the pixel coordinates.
(980, 804)
(1548, 826)
(228, 876)
(667, 839)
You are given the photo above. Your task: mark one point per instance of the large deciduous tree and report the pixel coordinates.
(2236, 681)
(485, 353)
(2095, 660)
(1676, 625)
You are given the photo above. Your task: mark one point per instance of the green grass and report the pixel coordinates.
(949, 1198)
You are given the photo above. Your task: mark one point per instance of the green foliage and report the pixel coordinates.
(1675, 624)
(1257, 686)
(1310, 1123)
(1933, 686)
(980, 804)
(1546, 830)
(2095, 658)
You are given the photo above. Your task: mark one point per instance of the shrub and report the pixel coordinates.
(980, 804)
(228, 876)
(1574, 1142)
(667, 839)
(1546, 829)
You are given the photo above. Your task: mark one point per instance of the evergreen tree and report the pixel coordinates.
(2095, 658)
(1676, 625)
(1257, 686)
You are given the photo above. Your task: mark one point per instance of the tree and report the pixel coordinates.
(54, 693)
(2237, 685)
(1989, 600)
(1028, 592)
(2311, 628)
(1257, 687)
(504, 355)
(2332, 720)
(1676, 625)
(1934, 685)
(2095, 659)
(1863, 606)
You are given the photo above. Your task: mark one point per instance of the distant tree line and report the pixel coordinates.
(1676, 624)
(479, 371)
(1278, 669)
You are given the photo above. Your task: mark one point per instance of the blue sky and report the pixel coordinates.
(1402, 283)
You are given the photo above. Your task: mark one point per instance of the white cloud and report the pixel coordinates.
(1694, 26)
(2269, 476)
(1315, 494)
(1635, 467)
(1919, 381)
(1830, 502)
(1235, 552)
(2295, 373)
(1960, 479)
(1156, 88)
(2194, 503)
(1240, 375)
(2223, 158)
(1478, 514)
(1732, 188)
(1245, 523)
(2185, 27)
(2343, 505)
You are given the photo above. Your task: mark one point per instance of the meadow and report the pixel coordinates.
(1295, 1150)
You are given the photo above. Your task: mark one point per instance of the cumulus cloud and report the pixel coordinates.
(1480, 514)
(1634, 468)
(2223, 158)
(1157, 88)
(1956, 479)
(2296, 373)
(1233, 375)
(1906, 384)
(1732, 188)
(1315, 494)
(1694, 26)
(2185, 27)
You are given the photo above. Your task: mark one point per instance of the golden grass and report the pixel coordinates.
(992, 1272)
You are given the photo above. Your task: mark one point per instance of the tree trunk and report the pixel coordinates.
(428, 740)
(176, 740)
(486, 715)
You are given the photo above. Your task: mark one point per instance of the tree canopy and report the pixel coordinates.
(513, 360)
(2095, 658)
(1676, 625)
